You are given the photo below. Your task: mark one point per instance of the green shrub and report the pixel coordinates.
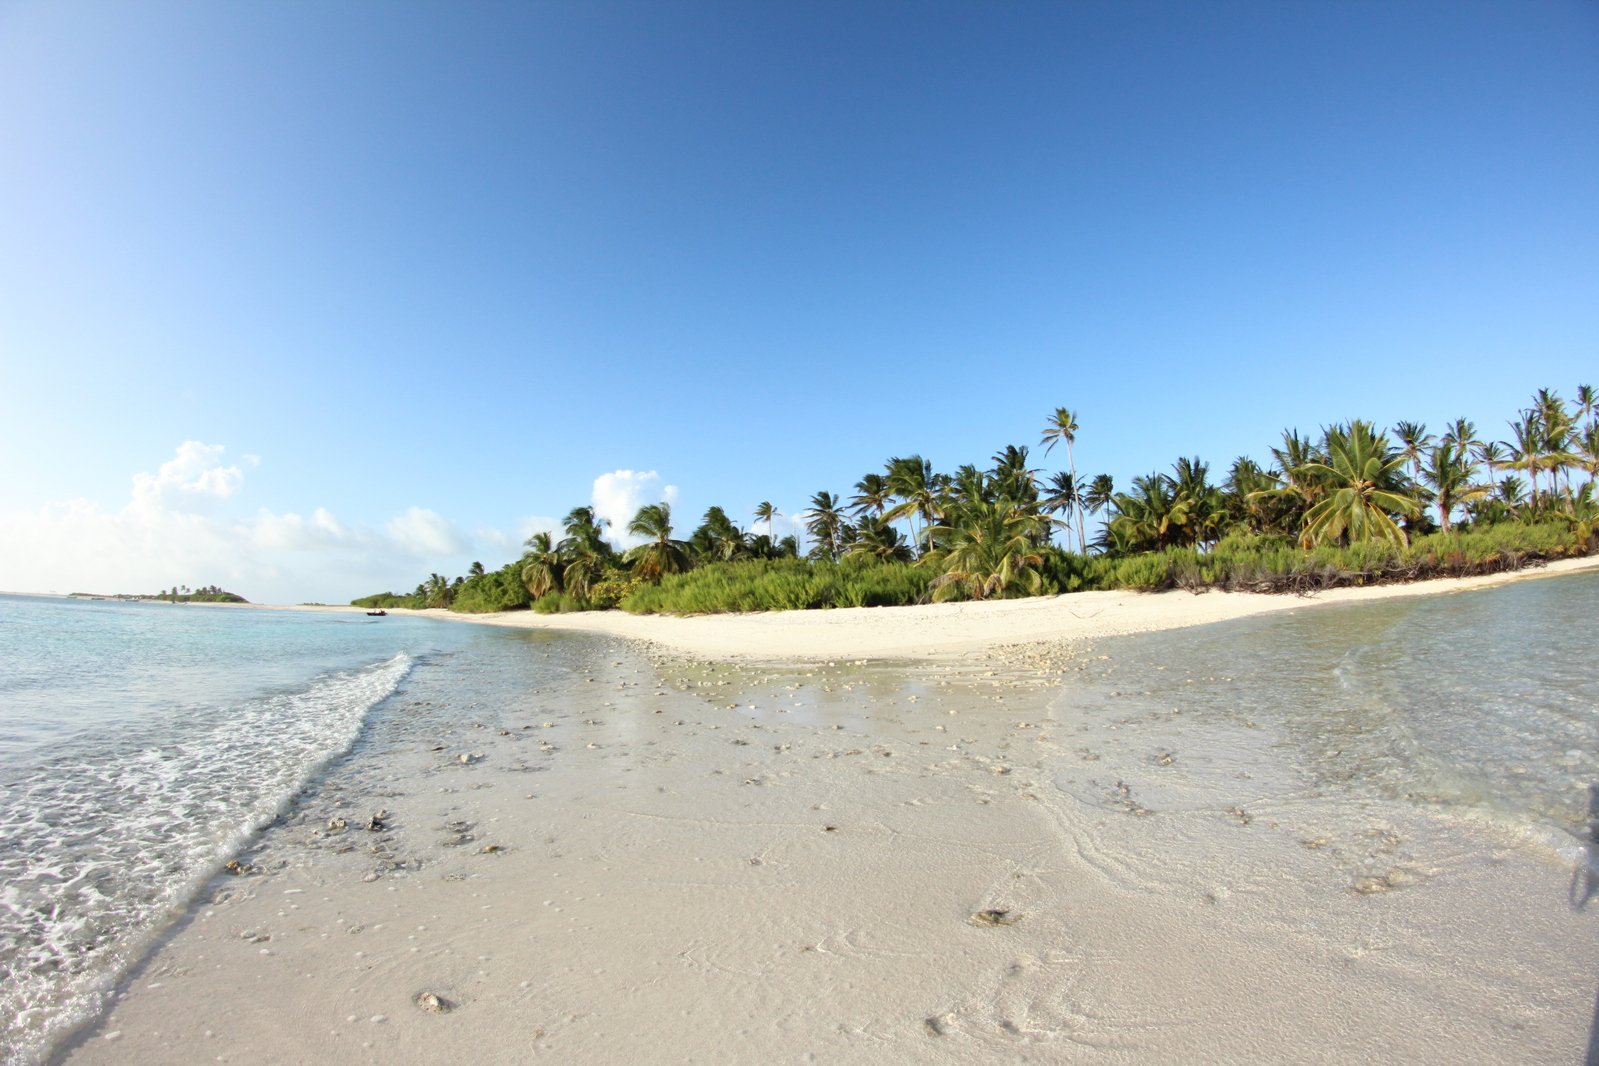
(385, 600)
(501, 590)
(780, 585)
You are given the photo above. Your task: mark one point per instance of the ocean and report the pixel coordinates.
(144, 745)
(141, 744)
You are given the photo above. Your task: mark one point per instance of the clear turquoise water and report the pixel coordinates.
(1483, 703)
(140, 745)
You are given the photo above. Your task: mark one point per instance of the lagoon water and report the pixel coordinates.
(141, 745)
(1482, 704)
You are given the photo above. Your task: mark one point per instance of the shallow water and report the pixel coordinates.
(1302, 729)
(140, 746)
(1475, 704)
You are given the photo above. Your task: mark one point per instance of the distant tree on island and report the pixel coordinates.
(1354, 505)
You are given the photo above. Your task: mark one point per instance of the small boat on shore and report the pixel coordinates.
(377, 614)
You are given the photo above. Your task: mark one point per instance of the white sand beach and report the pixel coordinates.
(728, 840)
(942, 630)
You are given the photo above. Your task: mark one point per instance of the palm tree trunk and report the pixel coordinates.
(1071, 465)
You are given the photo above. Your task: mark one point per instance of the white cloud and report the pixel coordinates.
(193, 476)
(173, 529)
(619, 494)
(425, 534)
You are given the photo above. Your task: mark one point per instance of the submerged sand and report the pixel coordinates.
(676, 860)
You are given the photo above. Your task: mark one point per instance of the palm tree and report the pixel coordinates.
(585, 532)
(1251, 498)
(876, 538)
(541, 566)
(659, 554)
(1153, 516)
(765, 512)
(992, 552)
(1449, 471)
(1012, 477)
(585, 551)
(967, 485)
(437, 591)
(1206, 513)
(1062, 426)
(912, 480)
(718, 538)
(1588, 450)
(1490, 453)
(1555, 449)
(1362, 488)
(872, 494)
(826, 524)
(1297, 491)
(1525, 451)
(1413, 439)
(1064, 498)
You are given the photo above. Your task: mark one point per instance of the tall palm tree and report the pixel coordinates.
(1462, 433)
(1413, 441)
(1588, 450)
(1449, 471)
(1063, 497)
(1556, 454)
(1491, 454)
(765, 512)
(1526, 450)
(1362, 488)
(916, 486)
(1297, 491)
(1062, 427)
(659, 554)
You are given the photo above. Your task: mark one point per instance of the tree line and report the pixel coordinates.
(1374, 495)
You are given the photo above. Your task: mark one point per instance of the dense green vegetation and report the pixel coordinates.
(178, 594)
(1354, 505)
(209, 594)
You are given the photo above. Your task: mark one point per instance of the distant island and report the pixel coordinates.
(175, 594)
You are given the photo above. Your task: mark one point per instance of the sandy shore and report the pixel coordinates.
(948, 629)
(636, 855)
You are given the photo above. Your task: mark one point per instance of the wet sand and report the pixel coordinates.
(672, 859)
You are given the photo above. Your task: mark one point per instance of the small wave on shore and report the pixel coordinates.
(103, 839)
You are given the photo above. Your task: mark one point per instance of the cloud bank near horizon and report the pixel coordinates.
(176, 528)
(182, 524)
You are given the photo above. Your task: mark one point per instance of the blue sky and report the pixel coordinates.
(409, 278)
